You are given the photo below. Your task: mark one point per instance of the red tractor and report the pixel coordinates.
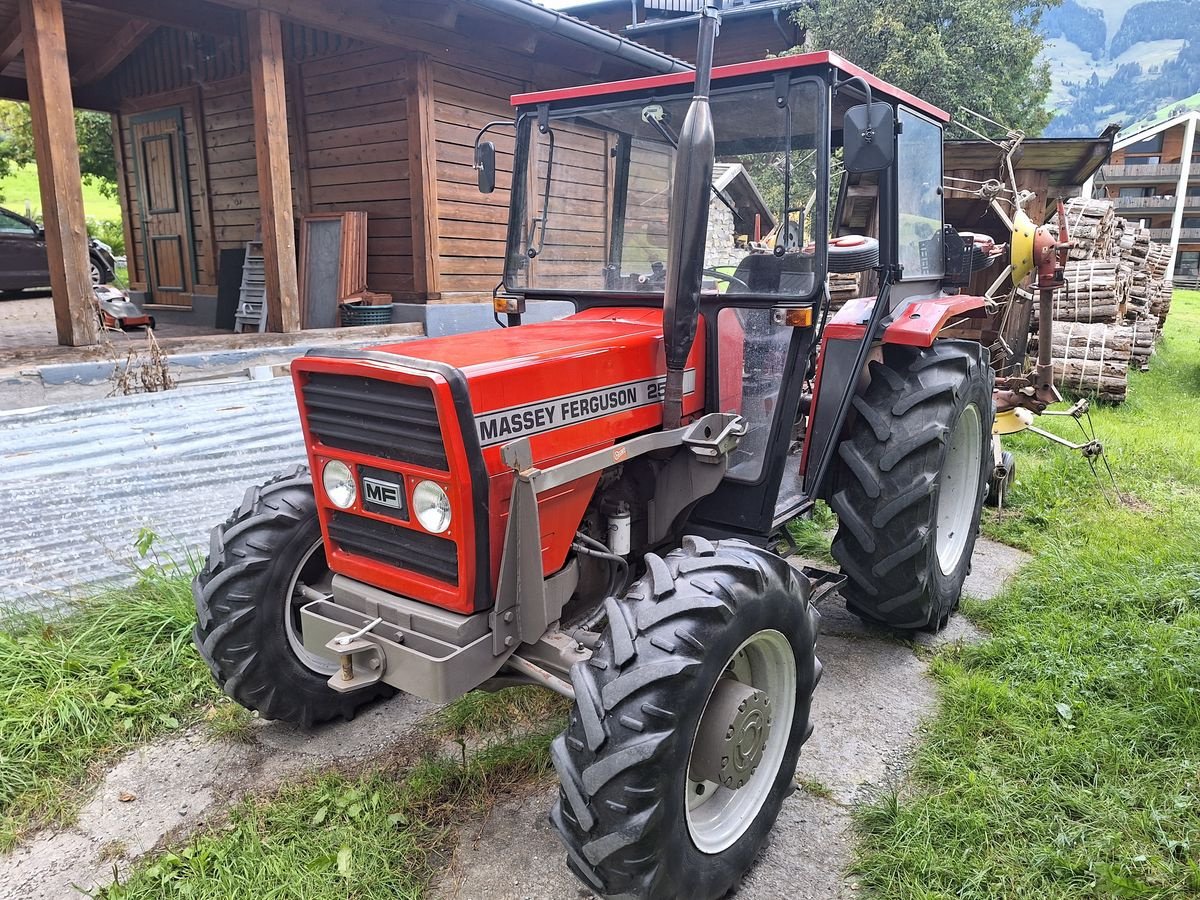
(591, 504)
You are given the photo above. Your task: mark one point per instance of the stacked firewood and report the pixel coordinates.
(1091, 358)
(1092, 224)
(1095, 291)
(1143, 336)
(1114, 304)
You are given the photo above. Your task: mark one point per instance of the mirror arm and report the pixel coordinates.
(495, 123)
(852, 79)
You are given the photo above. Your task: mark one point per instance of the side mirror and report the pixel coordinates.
(869, 137)
(485, 165)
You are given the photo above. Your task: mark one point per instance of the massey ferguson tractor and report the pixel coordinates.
(592, 504)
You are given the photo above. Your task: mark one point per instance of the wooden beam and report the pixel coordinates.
(111, 53)
(194, 15)
(85, 98)
(57, 151)
(422, 178)
(131, 264)
(269, 95)
(10, 43)
(388, 23)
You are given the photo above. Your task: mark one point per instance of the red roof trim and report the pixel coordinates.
(824, 57)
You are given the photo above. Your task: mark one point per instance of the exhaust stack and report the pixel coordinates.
(687, 223)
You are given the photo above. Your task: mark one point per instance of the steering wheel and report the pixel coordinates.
(728, 279)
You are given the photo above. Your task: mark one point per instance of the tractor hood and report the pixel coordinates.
(571, 386)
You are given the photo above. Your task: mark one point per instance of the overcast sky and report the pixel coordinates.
(561, 4)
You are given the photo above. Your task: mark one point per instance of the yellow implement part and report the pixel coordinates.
(1021, 249)
(1011, 421)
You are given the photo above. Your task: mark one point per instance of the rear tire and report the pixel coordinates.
(248, 622)
(910, 481)
(703, 616)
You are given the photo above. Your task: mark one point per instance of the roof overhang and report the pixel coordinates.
(1067, 162)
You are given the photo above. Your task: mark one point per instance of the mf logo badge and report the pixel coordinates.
(382, 493)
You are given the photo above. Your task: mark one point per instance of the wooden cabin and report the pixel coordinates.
(233, 119)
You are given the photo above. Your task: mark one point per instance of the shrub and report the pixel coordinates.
(110, 231)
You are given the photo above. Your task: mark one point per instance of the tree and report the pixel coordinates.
(93, 129)
(981, 54)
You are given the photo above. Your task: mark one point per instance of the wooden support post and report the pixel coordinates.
(269, 95)
(131, 265)
(57, 151)
(422, 179)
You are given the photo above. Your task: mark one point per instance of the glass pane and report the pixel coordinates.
(596, 205)
(10, 225)
(919, 172)
(752, 356)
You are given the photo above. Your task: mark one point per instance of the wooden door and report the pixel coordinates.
(164, 206)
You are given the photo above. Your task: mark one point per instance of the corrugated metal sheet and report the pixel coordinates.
(78, 482)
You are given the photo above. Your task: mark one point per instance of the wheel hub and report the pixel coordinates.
(732, 735)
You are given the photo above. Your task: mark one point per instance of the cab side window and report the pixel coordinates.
(919, 176)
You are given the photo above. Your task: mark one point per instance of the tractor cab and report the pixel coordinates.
(592, 181)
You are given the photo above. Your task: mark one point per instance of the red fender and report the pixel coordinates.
(916, 325)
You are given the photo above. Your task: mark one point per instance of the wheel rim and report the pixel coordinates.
(958, 489)
(717, 816)
(95, 274)
(312, 572)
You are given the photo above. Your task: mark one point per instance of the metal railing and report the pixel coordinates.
(1154, 172)
(1164, 234)
(1191, 201)
(1144, 202)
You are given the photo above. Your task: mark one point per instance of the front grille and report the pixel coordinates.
(393, 545)
(377, 418)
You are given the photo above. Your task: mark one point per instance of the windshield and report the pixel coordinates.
(592, 205)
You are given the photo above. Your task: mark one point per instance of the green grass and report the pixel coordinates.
(22, 186)
(379, 834)
(1065, 759)
(811, 533)
(119, 670)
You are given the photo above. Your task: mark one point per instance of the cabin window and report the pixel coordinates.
(919, 198)
(593, 214)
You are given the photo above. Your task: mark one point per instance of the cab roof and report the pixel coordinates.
(798, 61)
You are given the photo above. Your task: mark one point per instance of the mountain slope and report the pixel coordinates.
(1119, 60)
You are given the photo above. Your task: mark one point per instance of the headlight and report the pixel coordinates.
(432, 507)
(338, 482)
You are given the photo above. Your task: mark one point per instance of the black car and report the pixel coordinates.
(23, 255)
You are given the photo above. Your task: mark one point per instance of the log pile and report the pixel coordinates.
(1143, 336)
(1095, 291)
(1111, 312)
(1091, 358)
(1092, 225)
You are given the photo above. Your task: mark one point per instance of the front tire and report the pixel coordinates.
(910, 481)
(658, 798)
(248, 607)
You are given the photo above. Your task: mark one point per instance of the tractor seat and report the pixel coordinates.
(766, 273)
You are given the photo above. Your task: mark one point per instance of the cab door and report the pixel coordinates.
(758, 373)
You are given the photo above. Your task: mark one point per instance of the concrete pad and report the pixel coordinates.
(178, 784)
(810, 849)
